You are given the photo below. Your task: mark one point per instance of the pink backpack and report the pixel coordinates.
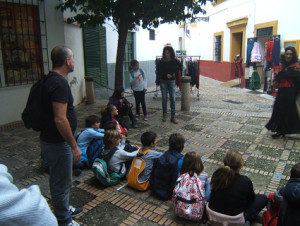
(189, 197)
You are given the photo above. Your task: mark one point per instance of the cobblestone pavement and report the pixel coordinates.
(223, 118)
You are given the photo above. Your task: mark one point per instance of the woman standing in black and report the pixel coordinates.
(285, 117)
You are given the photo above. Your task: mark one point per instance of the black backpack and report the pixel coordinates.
(164, 175)
(33, 115)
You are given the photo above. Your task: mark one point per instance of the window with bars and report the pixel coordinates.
(218, 48)
(23, 42)
(151, 34)
(129, 50)
(264, 32)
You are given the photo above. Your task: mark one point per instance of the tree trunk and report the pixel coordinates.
(123, 31)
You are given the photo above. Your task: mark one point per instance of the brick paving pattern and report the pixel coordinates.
(223, 118)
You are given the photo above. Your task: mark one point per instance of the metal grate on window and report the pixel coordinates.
(264, 32)
(218, 43)
(151, 34)
(23, 42)
(129, 50)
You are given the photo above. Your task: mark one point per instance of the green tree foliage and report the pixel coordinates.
(127, 14)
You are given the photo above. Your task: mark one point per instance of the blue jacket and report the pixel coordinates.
(290, 206)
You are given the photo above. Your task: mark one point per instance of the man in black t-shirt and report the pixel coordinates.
(59, 147)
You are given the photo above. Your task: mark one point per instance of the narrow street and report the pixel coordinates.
(223, 118)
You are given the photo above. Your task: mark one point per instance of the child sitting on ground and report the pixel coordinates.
(233, 193)
(192, 188)
(121, 159)
(288, 199)
(167, 168)
(125, 143)
(84, 139)
(110, 113)
(138, 177)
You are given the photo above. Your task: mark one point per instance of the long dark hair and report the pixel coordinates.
(192, 163)
(294, 59)
(222, 178)
(117, 94)
(132, 64)
(171, 50)
(108, 110)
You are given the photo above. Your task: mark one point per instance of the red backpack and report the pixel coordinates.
(270, 217)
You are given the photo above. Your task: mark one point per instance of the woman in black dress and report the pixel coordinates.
(285, 117)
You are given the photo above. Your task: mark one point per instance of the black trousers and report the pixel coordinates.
(140, 99)
(126, 110)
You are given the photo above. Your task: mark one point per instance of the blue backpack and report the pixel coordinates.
(165, 174)
(94, 149)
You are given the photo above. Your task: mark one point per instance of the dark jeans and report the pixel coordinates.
(168, 86)
(259, 202)
(140, 99)
(58, 157)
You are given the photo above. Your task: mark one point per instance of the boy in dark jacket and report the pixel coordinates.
(289, 199)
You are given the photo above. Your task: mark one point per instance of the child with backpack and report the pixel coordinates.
(141, 167)
(167, 168)
(120, 159)
(91, 133)
(138, 84)
(189, 195)
(288, 199)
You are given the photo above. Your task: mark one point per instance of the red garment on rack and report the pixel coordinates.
(179, 79)
(270, 51)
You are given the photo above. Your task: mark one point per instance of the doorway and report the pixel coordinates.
(237, 45)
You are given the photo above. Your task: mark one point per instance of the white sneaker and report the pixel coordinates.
(75, 211)
(74, 223)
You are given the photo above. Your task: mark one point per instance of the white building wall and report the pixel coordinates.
(256, 11)
(76, 78)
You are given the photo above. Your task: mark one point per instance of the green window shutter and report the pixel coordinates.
(129, 55)
(103, 57)
(94, 41)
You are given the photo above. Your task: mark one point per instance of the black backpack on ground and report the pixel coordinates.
(164, 175)
(33, 115)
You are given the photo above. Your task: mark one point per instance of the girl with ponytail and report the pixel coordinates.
(233, 193)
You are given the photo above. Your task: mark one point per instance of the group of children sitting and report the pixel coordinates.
(181, 177)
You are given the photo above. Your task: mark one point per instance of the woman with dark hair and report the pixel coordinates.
(110, 114)
(232, 193)
(285, 117)
(123, 105)
(167, 70)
